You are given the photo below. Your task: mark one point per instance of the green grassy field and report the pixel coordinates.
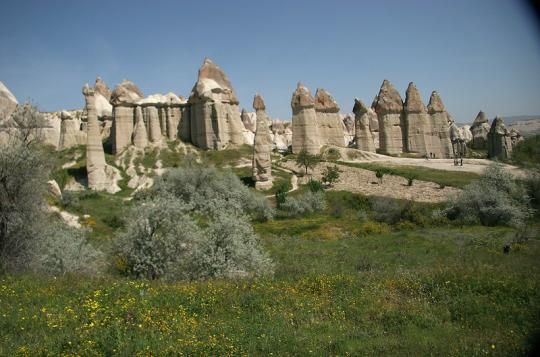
(425, 292)
(344, 284)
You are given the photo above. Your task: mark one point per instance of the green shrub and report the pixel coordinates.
(309, 202)
(164, 241)
(199, 186)
(332, 154)
(379, 173)
(330, 175)
(385, 209)
(62, 249)
(495, 199)
(410, 178)
(315, 185)
(281, 188)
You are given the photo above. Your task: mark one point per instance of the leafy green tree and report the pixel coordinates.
(331, 175)
(307, 160)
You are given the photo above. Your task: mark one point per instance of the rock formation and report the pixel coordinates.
(249, 120)
(262, 148)
(102, 98)
(363, 137)
(123, 100)
(95, 156)
(465, 132)
(388, 108)
(374, 126)
(480, 129)
(441, 145)
(328, 119)
(515, 137)
(281, 135)
(417, 128)
(214, 115)
(348, 129)
(459, 149)
(499, 143)
(8, 102)
(140, 135)
(71, 131)
(305, 133)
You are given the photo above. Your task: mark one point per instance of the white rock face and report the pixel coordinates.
(71, 131)
(54, 189)
(8, 102)
(215, 121)
(304, 122)
(262, 149)
(466, 133)
(363, 137)
(329, 122)
(103, 107)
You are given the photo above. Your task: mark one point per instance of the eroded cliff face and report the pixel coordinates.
(499, 143)
(305, 132)
(418, 126)
(480, 129)
(363, 136)
(389, 107)
(215, 121)
(329, 123)
(262, 148)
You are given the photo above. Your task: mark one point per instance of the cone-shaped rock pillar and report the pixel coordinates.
(363, 137)
(389, 107)
(305, 133)
(262, 149)
(95, 156)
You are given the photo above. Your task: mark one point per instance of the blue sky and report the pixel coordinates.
(479, 54)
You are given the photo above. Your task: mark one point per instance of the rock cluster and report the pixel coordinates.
(363, 138)
(499, 143)
(262, 148)
(480, 129)
(72, 131)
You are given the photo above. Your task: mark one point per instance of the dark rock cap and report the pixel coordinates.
(359, 107)
(258, 103)
(436, 104)
(324, 102)
(302, 98)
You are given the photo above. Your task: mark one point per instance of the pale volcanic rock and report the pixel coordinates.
(466, 133)
(8, 102)
(151, 115)
(348, 129)
(363, 137)
(499, 140)
(140, 135)
(102, 88)
(305, 133)
(51, 133)
(480, 129)
(124, 99)
(262, 148)
(441, 145)
(126, 93)
(388, 108)
(417, 128)
(329, 121)
(71, 132)
(215, 121)
(98, 177)
(249, 119)
(374, 126)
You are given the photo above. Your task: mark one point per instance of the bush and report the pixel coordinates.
(410, 178)
(315, 185)
(332, 154)
(281, 188)
(198, 186)
(166, 239)
(494, 199)
(379, 173)
(23, 178)
(62, 249)
(308, 202)
(330, 175)
(386, 209)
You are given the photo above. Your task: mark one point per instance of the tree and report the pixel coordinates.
(25, 125)
(330, 175)
(23, 181)
(307, 160)
(379, 173)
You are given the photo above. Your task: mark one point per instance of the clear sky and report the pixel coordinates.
(479, 54)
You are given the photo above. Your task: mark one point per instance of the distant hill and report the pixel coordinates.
(528, 126)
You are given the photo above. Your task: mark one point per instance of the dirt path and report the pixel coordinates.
(469, 165)
(358, 180)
